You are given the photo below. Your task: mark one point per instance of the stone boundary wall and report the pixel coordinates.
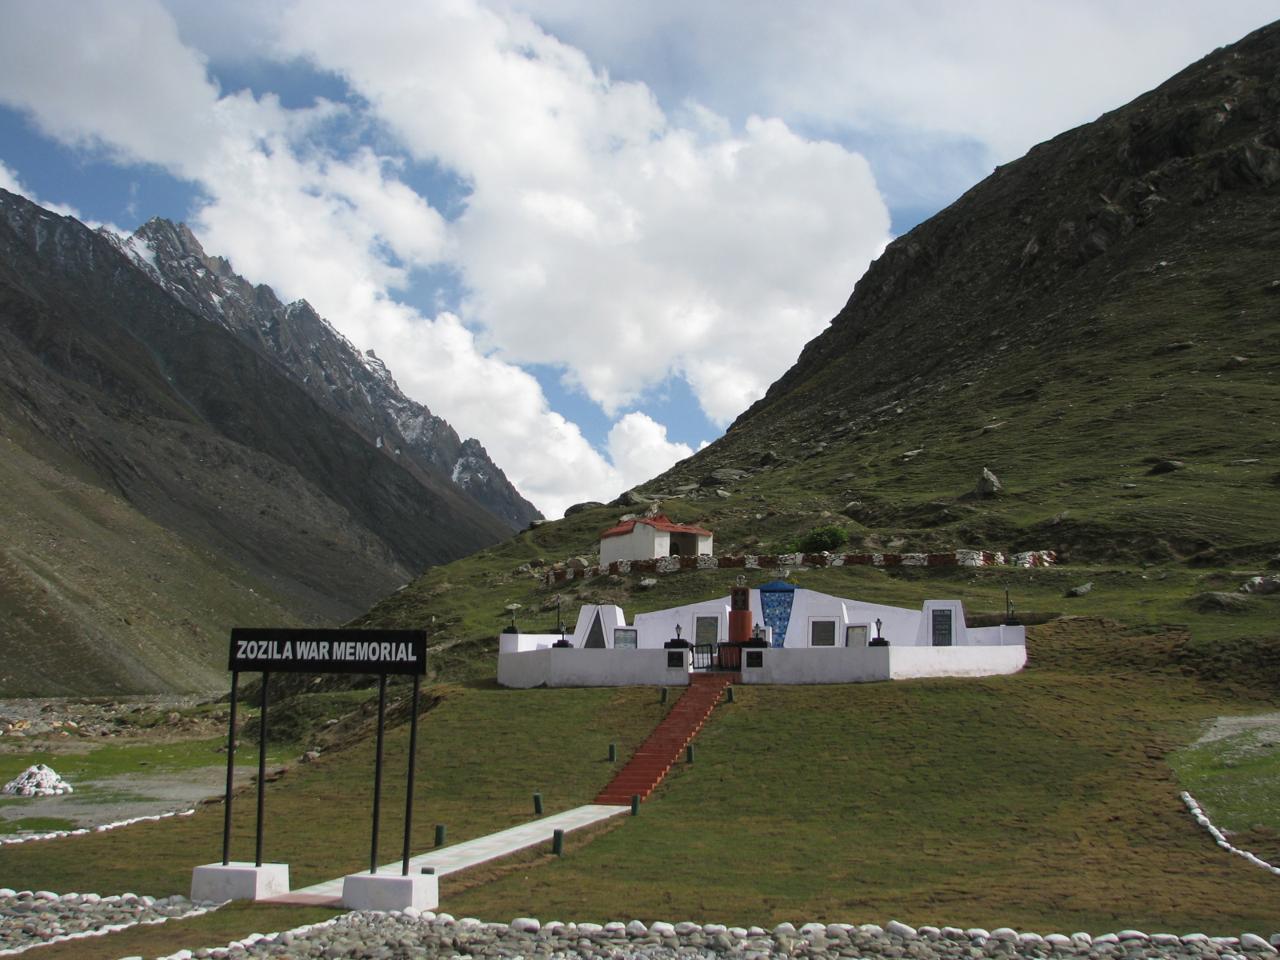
(1202, 818)
(100, 828)
(956, 558)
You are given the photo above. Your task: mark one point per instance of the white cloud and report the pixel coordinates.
(639, 448)
(943, 90)
(601, 235)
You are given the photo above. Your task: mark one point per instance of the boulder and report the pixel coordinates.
(633, 498)
(1261, 586)
(722, 476)
(988, 484)
(579, 507)
(1166, 466)
(1080, 590)
(1216, 602)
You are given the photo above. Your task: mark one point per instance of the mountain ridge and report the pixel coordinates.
(356, 385)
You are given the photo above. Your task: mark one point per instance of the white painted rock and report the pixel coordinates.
(526, 925)
(1082, 938)
(811, 930)
(1004, 933)
(785, 929)
(1062, 940)
(636, 928)
(899, 929)
(1251, 941)
(37, 780)
(978, 933)
(662, 929)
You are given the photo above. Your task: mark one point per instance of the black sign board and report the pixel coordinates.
(328, 651)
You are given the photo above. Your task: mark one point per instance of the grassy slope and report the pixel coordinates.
(71, 619)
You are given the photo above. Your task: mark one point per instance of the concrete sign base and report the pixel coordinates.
(239, 881)
(390, 891)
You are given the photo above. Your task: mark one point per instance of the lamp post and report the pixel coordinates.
(511, 608)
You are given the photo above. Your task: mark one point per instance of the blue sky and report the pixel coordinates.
(589, 234)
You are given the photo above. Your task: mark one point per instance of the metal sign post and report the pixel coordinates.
(377, 773)
(231, 771)
(408, 796)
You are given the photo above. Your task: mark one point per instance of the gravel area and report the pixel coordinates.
(412, 934)
(29, 918)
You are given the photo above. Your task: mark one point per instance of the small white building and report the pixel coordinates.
(648, 538)
(807, 637)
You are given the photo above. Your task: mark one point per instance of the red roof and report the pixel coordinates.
(660, 522)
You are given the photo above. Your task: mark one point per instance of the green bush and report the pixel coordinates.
(823, 538)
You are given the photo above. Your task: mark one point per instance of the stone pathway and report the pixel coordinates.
(460, 856)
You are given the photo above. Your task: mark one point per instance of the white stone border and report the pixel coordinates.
(1203, 819)
(976, 935)
(101, 828)
(251, 939)
(102, 931)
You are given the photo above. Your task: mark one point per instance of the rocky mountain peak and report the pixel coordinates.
(356, 385)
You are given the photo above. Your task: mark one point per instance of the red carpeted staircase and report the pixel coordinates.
(650, 763)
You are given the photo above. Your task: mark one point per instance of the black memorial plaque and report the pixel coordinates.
(292, 650)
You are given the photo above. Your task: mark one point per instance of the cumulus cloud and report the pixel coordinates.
(600, 234)
(940, 90)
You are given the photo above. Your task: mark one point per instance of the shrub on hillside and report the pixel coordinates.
(823, 538)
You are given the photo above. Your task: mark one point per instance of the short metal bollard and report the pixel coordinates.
(557, 843)
(613, 752)
(635, 804)
(688, 754)
(440, 834)
(729, 695)
(537, 804)
(663, 697)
